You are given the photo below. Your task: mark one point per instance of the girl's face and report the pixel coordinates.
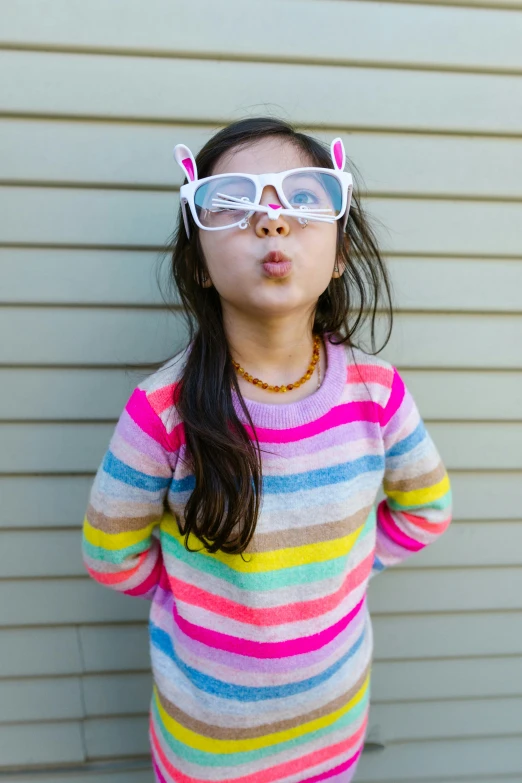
(234, 256)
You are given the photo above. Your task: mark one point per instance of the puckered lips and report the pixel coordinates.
(276, 264)
(275, 257)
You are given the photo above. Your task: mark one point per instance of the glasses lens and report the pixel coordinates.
(218, 202)
(315, 190)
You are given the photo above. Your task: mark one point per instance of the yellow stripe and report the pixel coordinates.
(421, 497)
(115, 541)
(268, 561)
(209, 745)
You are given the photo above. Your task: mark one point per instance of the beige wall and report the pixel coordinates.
(428, 100)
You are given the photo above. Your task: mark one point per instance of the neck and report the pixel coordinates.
(274, 355)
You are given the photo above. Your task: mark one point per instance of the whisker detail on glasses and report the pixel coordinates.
(308, 216)
(243, 205)
(225, 201)
(243, 199)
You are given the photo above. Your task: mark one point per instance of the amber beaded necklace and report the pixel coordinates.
(308, 374)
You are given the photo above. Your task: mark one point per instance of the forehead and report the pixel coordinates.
(262, 157)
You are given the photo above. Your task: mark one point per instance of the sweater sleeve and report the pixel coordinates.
(417, 506)
(119, 544)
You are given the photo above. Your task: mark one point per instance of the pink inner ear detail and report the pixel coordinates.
(189, 168)
(275, 206)
(338, 152)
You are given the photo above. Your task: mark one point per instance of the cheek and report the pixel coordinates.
(322, 249)
(224, 259)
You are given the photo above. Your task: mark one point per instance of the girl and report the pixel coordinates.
(238, 491)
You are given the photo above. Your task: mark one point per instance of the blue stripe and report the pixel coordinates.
(311, 479)
(135, 478)
(409, 443)
(226, 690)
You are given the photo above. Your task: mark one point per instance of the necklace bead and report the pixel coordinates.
(288, 387)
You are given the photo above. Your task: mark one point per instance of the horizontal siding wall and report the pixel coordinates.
(428, 100)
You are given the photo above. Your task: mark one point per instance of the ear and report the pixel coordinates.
(338, 154)
(186, 161)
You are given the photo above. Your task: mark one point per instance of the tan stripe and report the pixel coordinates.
(418, 482)
(313, 534)
(221, 733)
(118, 524)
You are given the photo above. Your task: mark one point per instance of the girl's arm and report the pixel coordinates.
(126, 503)
(417, 507)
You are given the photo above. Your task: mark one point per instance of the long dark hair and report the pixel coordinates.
(223, 508)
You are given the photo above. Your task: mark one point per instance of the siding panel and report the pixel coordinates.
(379, 97)
(113, 694)
(441, 34)
(93, 775)
(420, 761)
(80, 336)
(43, 501)
(31, 744)
(40, 652)
(113, 737)
(115, 648)
(59, 698)
(64, 602)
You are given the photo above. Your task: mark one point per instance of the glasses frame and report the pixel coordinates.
(187, 191)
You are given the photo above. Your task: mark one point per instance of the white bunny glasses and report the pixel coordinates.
(227, 200)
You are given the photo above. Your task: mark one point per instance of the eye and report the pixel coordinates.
(300, 196)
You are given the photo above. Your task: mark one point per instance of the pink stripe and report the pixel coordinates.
(224, 641)
(396, 397)
(120, 576)
(164, 398)
(150, 582)
(140, 410)
(197, 650)
(346, 413)
(275, 773)
(157, 772)
(348, 764)
(437, 528)
(271, 615)
(370, 373)
(388, 526)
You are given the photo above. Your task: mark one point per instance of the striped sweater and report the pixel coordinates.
(261, 664)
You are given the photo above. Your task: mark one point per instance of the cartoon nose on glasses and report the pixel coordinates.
(274, 210)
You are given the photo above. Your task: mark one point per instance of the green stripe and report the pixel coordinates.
(211, 759)
(116, 556)
(268, 580)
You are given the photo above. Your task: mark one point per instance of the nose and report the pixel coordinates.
(264, 226)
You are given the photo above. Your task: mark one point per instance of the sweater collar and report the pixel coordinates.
(292, 414)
